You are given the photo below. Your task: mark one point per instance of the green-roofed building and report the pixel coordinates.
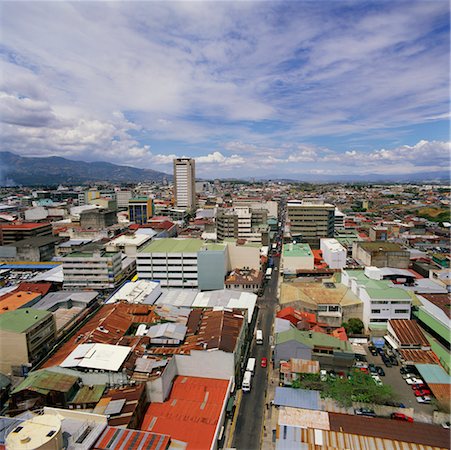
(43, 388)
(184, 263)
(382, 300)
(296, 256)
(326, 349)
(26, 335)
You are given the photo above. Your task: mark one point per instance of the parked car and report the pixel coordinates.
(409, 375)
(387, 362)
(422, 392)
(323, 375)
(380, 351)
(414, 381)
(395, 404)
(401, 416)
(446, 425)
(424, 399)
(365, 412)
(373, 351)
(377, 380)
(418, 386)
(380, 371)
(393, 360)
(264, 362)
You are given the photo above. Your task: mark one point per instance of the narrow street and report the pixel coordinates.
(250, 416)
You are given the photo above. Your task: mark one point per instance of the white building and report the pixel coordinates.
(185, 183)
(141, 291)
(382, 301)
(334, 254)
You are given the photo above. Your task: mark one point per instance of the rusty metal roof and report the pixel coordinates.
(409, 333)
(419, 356)
(416, 432)
(295, 365)
(114, 438)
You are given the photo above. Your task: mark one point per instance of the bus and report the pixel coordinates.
(268, 273)
(246, 385)
(250, 365)
(259, 337)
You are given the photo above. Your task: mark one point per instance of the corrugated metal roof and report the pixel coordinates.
(295, 365)
(433, 374)
(408, 333)
(191, 413)
(46, 381)
(419, 356)
(114, 438)
(297, 398)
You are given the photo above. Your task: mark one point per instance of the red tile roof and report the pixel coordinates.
(294, 316)
(191, 413)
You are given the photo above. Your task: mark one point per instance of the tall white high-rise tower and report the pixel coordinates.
(185, 183)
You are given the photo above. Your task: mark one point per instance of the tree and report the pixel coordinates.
(353, 326)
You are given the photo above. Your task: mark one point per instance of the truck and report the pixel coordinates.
(250, 365)
(259, 337)
(247, 379)
(268, 273)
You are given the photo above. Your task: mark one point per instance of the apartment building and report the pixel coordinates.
(122, 198)
(26, 335)
(242, 222)
(184, 263)
(310, 220)
(185, 183)
(92, 270)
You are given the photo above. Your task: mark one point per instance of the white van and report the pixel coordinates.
(250, 365)
(259, 337)
(247, 379)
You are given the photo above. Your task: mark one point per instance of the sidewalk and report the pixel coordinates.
(270, 412)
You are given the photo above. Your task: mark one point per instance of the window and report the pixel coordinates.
(401, 311)
(375, 311)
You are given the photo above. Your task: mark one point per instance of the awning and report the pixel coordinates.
(391, 342)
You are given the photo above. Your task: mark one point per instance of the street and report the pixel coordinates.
(250, 415)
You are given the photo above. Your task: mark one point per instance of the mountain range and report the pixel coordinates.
(54, 170)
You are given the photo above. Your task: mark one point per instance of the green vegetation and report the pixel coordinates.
(357, 387)
(435, 214)
(353, 326)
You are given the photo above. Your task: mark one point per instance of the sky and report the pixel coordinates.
(250, 89)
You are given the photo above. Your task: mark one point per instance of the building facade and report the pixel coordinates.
(185, 183)
(140, 210)
(309, 221)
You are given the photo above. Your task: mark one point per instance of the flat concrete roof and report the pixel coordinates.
(297, 250)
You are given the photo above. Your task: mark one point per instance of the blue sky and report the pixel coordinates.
(247, 88)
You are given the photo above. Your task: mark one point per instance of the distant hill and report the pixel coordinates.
(19, 170)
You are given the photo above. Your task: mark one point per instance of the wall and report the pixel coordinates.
(206, 364)
(211, 266)
(293, 263)
(240, 256)
(13, 350)
(158, 390)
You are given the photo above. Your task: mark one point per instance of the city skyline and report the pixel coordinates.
(248, 89)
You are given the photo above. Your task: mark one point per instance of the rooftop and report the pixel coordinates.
(44, 381)
(172, 245)
(114, 438)
(21, 320)
(296, 250)
(297, 398)
(385, 246)
(408, 332)
(23, 226)
(17, 299)
(191, 413)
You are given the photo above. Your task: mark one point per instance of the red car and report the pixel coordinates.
(400, 416)
(418, 386)
(422, 392)
(264, 362)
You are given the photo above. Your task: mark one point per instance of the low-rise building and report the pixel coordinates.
(97, 219)
(40, 248)
(406, 334)
(296, 256)
(130, 245)
(334, 254)
(26, 336)
(17, 231)
(381, 254)
(244, 280)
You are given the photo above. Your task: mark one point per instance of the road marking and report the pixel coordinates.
(235, 418)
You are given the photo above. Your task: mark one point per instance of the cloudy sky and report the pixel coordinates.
(247, 88)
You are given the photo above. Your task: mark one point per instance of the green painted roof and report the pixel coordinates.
(389, 293)
(316, 339)
(433, 374)
(89, 394)
(44, 381)
(172, 245)
(297, 251)
(21, 320)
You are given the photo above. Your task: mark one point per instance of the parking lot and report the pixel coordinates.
(403, 393)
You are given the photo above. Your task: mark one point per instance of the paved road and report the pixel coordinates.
(249, 422)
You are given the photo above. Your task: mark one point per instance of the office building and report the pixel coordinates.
(309, 221)
(185, 183)
(140, 210)
(12, 232)
(334, 254)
